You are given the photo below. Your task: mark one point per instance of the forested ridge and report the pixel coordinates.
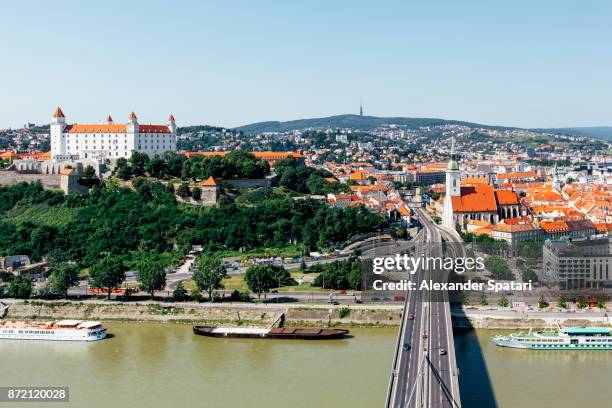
(118, 221)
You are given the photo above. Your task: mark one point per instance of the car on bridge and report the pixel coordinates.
(407, 346)
(442, 351)
(410, 316)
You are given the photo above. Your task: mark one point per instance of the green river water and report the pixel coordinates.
(165, 365)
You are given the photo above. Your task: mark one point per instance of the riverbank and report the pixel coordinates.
(248, 314)
(264, 314)
(517, 319)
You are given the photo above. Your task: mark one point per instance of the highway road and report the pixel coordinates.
(425, 375)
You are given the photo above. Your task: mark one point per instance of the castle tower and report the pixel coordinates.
(109, 120)
(57, 126)
(133, 139)
(132, 125)
(172, 124)
(453, 188)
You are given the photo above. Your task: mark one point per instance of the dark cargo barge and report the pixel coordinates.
(288, 333)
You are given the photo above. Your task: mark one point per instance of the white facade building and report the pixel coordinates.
(109, 141)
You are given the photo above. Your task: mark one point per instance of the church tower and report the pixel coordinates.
(453, 188)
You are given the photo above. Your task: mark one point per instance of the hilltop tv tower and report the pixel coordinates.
(361, 107)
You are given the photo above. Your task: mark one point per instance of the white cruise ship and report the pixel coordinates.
(66, 330)
(569, 338)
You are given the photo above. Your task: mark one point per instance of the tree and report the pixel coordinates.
(581, 303)
(107, 273)
(530, 249)
(152, 276)
(122, 169)
(542, 303)
(138, 161)
(482, 300)
(156, 167)
(180, 293)
(20, 288)
(503, 301)
(339, 275)
(262, 278)
(63, 277)
(89, 172)
(183, 190)
(209, 274)
(498, 267)
(562, 303)
(196, 193)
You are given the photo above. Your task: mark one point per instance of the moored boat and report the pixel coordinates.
(288, 333)
(569, 338)
(61, 330)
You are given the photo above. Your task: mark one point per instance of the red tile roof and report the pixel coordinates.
(58, 113)
(478, 198)
(109, 128)
(506, 197)
(473, 180)
(518, 175)
(514, 228)
(153, 129)
(115, 128)
(554, 226)
(210, 182)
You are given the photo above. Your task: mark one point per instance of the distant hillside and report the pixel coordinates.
(353, 122)
(599, 132)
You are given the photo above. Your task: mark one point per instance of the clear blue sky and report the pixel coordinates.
(522, 62)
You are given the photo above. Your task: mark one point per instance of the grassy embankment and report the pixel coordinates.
(236, 282)
(40, 214)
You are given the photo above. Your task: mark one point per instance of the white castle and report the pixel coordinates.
(110, 140)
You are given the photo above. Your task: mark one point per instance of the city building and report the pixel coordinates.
(210, 191)
(578, 264)
(514, 234)
(110, 140)
(429, 177)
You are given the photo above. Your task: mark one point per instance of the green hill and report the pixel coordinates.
(354, 122)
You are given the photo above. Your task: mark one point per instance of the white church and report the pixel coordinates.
(109, 140)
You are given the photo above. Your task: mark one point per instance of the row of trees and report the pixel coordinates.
(109, 272)
(339, 275)
(236, 164)
(169, 164)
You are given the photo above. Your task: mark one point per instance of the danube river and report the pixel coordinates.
(155, 365)
(159, 365)
(494, 376)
